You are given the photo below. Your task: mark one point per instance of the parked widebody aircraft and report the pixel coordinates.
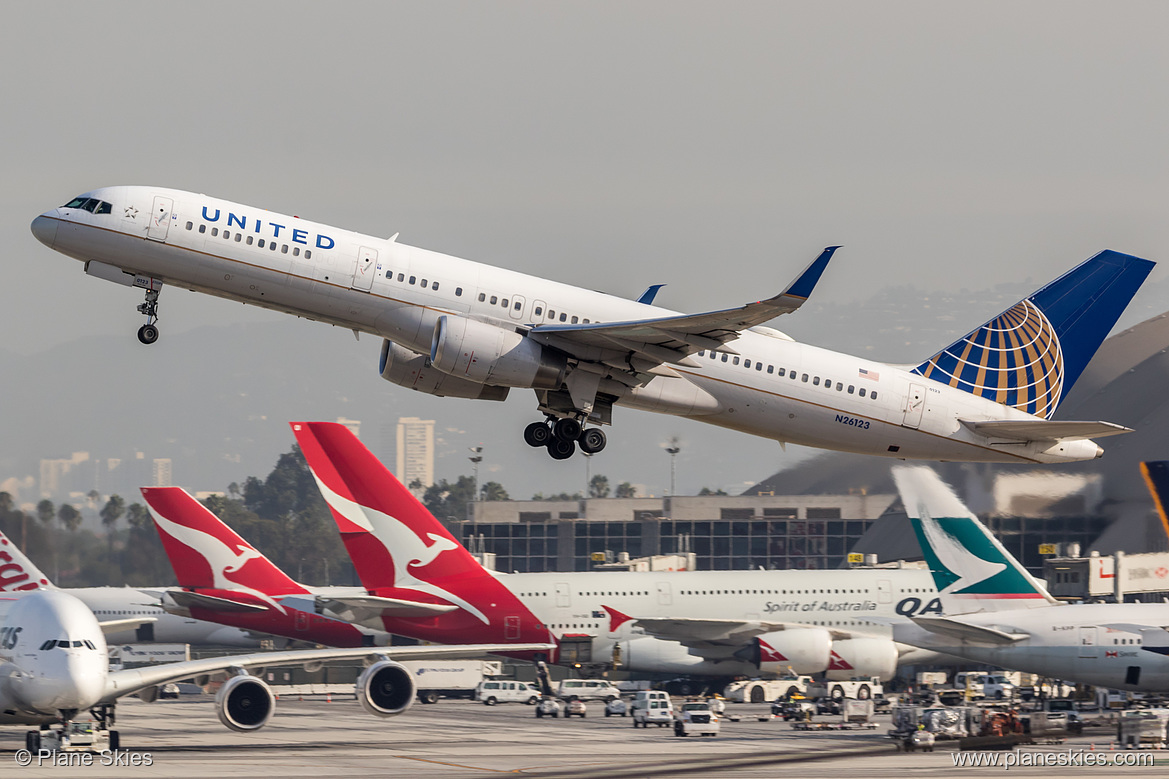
(127, 614)
(714, 623)
(54, 663)
(997, 613)
(456, 328)
(224, 579)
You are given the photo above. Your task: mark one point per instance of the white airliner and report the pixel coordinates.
(996, 613)
(127, 614)
(54, 664)
(703, 623)
(458, 328)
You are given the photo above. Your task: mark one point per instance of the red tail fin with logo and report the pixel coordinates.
(206, 553)
(17, 572)
(401, 550)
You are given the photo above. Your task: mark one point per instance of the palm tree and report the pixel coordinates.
(70, 517)
(599, 486)
(110, 514)
(46, 511)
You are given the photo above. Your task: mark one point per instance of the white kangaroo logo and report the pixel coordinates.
(222, 558)
(403, 545)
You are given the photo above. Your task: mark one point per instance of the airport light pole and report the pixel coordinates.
(476, 458)
(672, 448)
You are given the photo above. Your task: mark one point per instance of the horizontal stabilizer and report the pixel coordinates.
(367, 609)
(1043, 430)
(964, 631)
(118, 625)
(189, 600)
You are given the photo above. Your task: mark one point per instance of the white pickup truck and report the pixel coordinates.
(695, 719)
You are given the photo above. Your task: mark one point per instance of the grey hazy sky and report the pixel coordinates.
(712, 146)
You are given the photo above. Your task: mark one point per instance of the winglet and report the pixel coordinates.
(804, 284)
(648, 296)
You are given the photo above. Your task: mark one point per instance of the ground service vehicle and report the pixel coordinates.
(696, 719)
(616, 708)
(652, 707)
(859, 688)
(492, 692)
(597, 689)
(760, 690)
(575, 707)
(548, 707)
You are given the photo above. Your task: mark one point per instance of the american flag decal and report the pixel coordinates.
(870, 375)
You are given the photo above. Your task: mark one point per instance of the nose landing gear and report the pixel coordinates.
(148, 333)
(562, 436)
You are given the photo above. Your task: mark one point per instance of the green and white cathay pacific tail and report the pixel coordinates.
(971, 569)
(997, 613)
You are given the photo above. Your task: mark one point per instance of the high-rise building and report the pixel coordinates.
(161, 473)
(415, 451)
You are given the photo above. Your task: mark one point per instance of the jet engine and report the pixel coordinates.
(244, 703)
(408, 369)
(481, 352)
(854, 657)
(385, 689)
(802, 650)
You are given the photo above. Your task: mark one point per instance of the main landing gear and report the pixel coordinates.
(148, 333)
(561, 437)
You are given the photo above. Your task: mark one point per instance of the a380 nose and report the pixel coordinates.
(44, 228)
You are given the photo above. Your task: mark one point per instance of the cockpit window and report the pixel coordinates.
(89, 644)
(63, 644)
(52, 642)
(90, 204)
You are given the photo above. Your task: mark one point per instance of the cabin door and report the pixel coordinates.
(160, 218)
(366, 269)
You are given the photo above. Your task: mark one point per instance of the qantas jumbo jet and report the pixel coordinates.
(457, 328)
(704, 623)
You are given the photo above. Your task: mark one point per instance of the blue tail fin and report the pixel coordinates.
(1029, 356)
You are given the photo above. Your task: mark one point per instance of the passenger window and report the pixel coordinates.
(482, 297)
(190, 225)
(413, 279)
(816, 381)
(390, 275)
(503, 302)
(239, 237)
(271, 246)
(862, 392)
(873, 395)
(202, 228)
(585, 321)
(746, 363)
(574, 320)
(563, 317)
(736, 361)
(250, 239)
(805, 378)
(551, 314)
(494, 299)
(214, 232)
(261, 243)
(758, 366)
(851, 387)
(308, 254)
(518, 306)
(713, 356)
(425, 284)
(839, 386)
(539, 311)
(226, 235)
(458, 292)
(295, 251)
(771, 369)
(401, 277)
(284, 249)
(434, 286)
(726, 357)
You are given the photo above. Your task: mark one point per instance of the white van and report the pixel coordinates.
(493, 692)
(598, 689)
(984, 685)
(652, 707)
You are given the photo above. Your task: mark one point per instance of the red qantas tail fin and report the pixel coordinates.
(393, 540)
(206, 553)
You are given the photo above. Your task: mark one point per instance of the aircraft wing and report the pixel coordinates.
(672, 339)
(369, 609)
(129, 681)
(964, 631)
(118, 625)
(1043, 430)
(187, 600)
(699, 633)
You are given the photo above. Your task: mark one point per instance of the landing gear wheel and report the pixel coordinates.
(115, 741)
(592, 440)
(32, 741)
(148, 334)
(537, 434)
(566, 429)
(560, 449)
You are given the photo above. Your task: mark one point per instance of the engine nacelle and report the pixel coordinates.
(481, 352)
(853, 657)
(408, 369)
(802, 650)
(244, 703)
(385, 689)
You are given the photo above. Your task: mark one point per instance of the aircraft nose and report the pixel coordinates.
(44, 228)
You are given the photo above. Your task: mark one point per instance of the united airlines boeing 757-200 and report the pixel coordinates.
(452, 327)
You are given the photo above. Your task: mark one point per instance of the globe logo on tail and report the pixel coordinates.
(1015, 359)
